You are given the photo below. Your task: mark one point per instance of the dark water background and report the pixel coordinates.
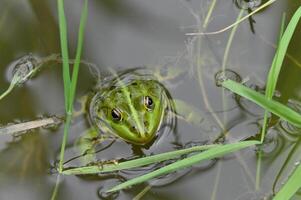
(126, 34)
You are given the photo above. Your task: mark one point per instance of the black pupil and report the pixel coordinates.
(115, 114)
(148, 101)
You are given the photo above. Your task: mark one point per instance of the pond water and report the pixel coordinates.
(122, 35)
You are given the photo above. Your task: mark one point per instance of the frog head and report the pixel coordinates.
(133, 111)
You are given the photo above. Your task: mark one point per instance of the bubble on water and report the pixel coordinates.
(247, 4)
(224, 75)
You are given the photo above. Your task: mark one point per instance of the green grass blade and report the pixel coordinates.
(187, 162)
(64, 51)
(289, 161)
(66, 73)
(275, 107)
(274, 74)
(281, 52)
(270, 89)
(135, 163)
(291, 186)
(278, 59)
(79, 48)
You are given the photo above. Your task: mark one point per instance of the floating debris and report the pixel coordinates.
(247, 4)
(27, 66)
(24, 68)
(24, 127)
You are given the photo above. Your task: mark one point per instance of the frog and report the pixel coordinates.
(130, 106)
(133, 106)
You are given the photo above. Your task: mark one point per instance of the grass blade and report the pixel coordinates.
(79, 48)
(281, 52)
(135, 163)
(68, 91)
(273, 106)
(291, 186)
(294, 182)
(274, 72)
(64, 51)
(187, 162)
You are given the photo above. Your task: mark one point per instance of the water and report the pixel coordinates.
(125, 34)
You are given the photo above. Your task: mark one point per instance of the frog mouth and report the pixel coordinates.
(142, 141)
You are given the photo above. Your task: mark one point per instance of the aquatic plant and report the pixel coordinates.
(282, 111)
(70, 82)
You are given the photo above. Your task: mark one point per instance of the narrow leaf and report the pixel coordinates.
(79, 48)
(281, 52)
(64, 51)
(273, 106)
(135, 163)
(291, 186)
(187, 162)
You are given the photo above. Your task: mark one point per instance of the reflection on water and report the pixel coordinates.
(123, 35)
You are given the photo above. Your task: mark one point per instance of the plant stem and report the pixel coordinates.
(9, 89)
(56, 188)
(65, 137)
(212, 5)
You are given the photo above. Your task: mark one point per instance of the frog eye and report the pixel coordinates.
(116, 114)
(148, 103)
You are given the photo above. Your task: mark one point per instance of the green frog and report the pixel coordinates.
(132, 111)
(131, 106)
(134, 106)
